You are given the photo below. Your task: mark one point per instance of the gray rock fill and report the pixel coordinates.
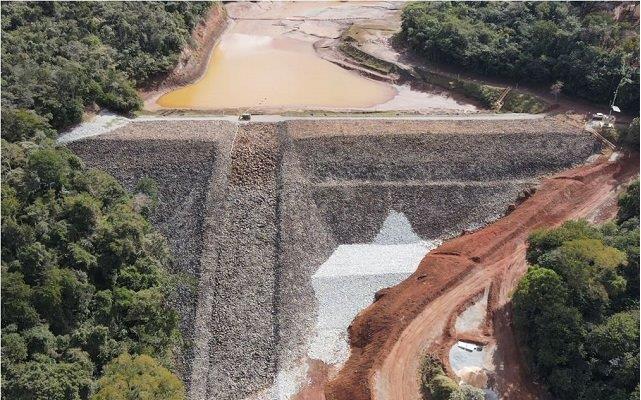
(282, 219)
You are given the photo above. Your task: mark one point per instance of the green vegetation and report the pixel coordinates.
(366, 59)
(436, 385)
(577, 308)
(578, 44)
(139, 378)
(629, 137)
(84, 275)
(58, 58)
(487, 95)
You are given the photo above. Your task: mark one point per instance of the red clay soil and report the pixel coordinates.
(389, 337)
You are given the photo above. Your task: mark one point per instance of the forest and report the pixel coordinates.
(58, 58)
(579, 45)
(577, 309)
(85, 279)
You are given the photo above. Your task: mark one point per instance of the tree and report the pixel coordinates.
(629, 202)
(72, 237)
(21, 124)
(14, 348)
(46, 379)
(16, 301)
(567, 309)
(59, 59)
(544, 240)
(590, 270)
(138, 378)
(82, 211)
(615, 347)
(40, 341)
(542, 43)
(63, 299)
(625, 237)
(50, 167)
(555, 89)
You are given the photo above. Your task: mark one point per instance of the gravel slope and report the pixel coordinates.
(252, 210)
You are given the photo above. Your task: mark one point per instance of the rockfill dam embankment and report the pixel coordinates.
(252, 210)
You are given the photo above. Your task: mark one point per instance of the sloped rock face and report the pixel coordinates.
(252, 210)
(183, 159)
(243, 328)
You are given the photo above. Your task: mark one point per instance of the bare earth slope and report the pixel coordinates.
(409, 319)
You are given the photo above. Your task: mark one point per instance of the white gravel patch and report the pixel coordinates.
(346, 283)
(396, 229)
(466, 356)
(101, 123)
(372, 259)
(330, 346)
(287, 383)
(473, 316)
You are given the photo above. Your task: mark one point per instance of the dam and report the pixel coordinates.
(253, 210)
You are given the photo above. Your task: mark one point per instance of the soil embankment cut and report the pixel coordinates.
(389, 338)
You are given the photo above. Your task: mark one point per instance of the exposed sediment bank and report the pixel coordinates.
(269, 56)
(252, 210)
(194, 59)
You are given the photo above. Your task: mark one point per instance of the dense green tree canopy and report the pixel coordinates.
(579, 44)
(59, 57)
(577, 308)
(84, 276)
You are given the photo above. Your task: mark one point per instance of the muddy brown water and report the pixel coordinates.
(264, 71)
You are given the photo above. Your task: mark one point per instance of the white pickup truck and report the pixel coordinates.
(600, 121)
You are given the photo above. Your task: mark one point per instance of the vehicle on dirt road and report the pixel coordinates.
(600, 120)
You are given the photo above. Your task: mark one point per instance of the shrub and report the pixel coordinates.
(629, 203)
(629, 137)
(138, 378)
(436, 385)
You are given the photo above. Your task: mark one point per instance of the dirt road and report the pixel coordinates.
(389, 337)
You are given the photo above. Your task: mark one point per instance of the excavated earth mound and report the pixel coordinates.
(252, 211)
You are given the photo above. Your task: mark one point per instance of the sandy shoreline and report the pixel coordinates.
(193, 61)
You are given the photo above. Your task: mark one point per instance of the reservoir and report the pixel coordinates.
(269, 58)
(264, 71)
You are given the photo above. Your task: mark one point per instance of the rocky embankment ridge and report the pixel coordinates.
(252, 210)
